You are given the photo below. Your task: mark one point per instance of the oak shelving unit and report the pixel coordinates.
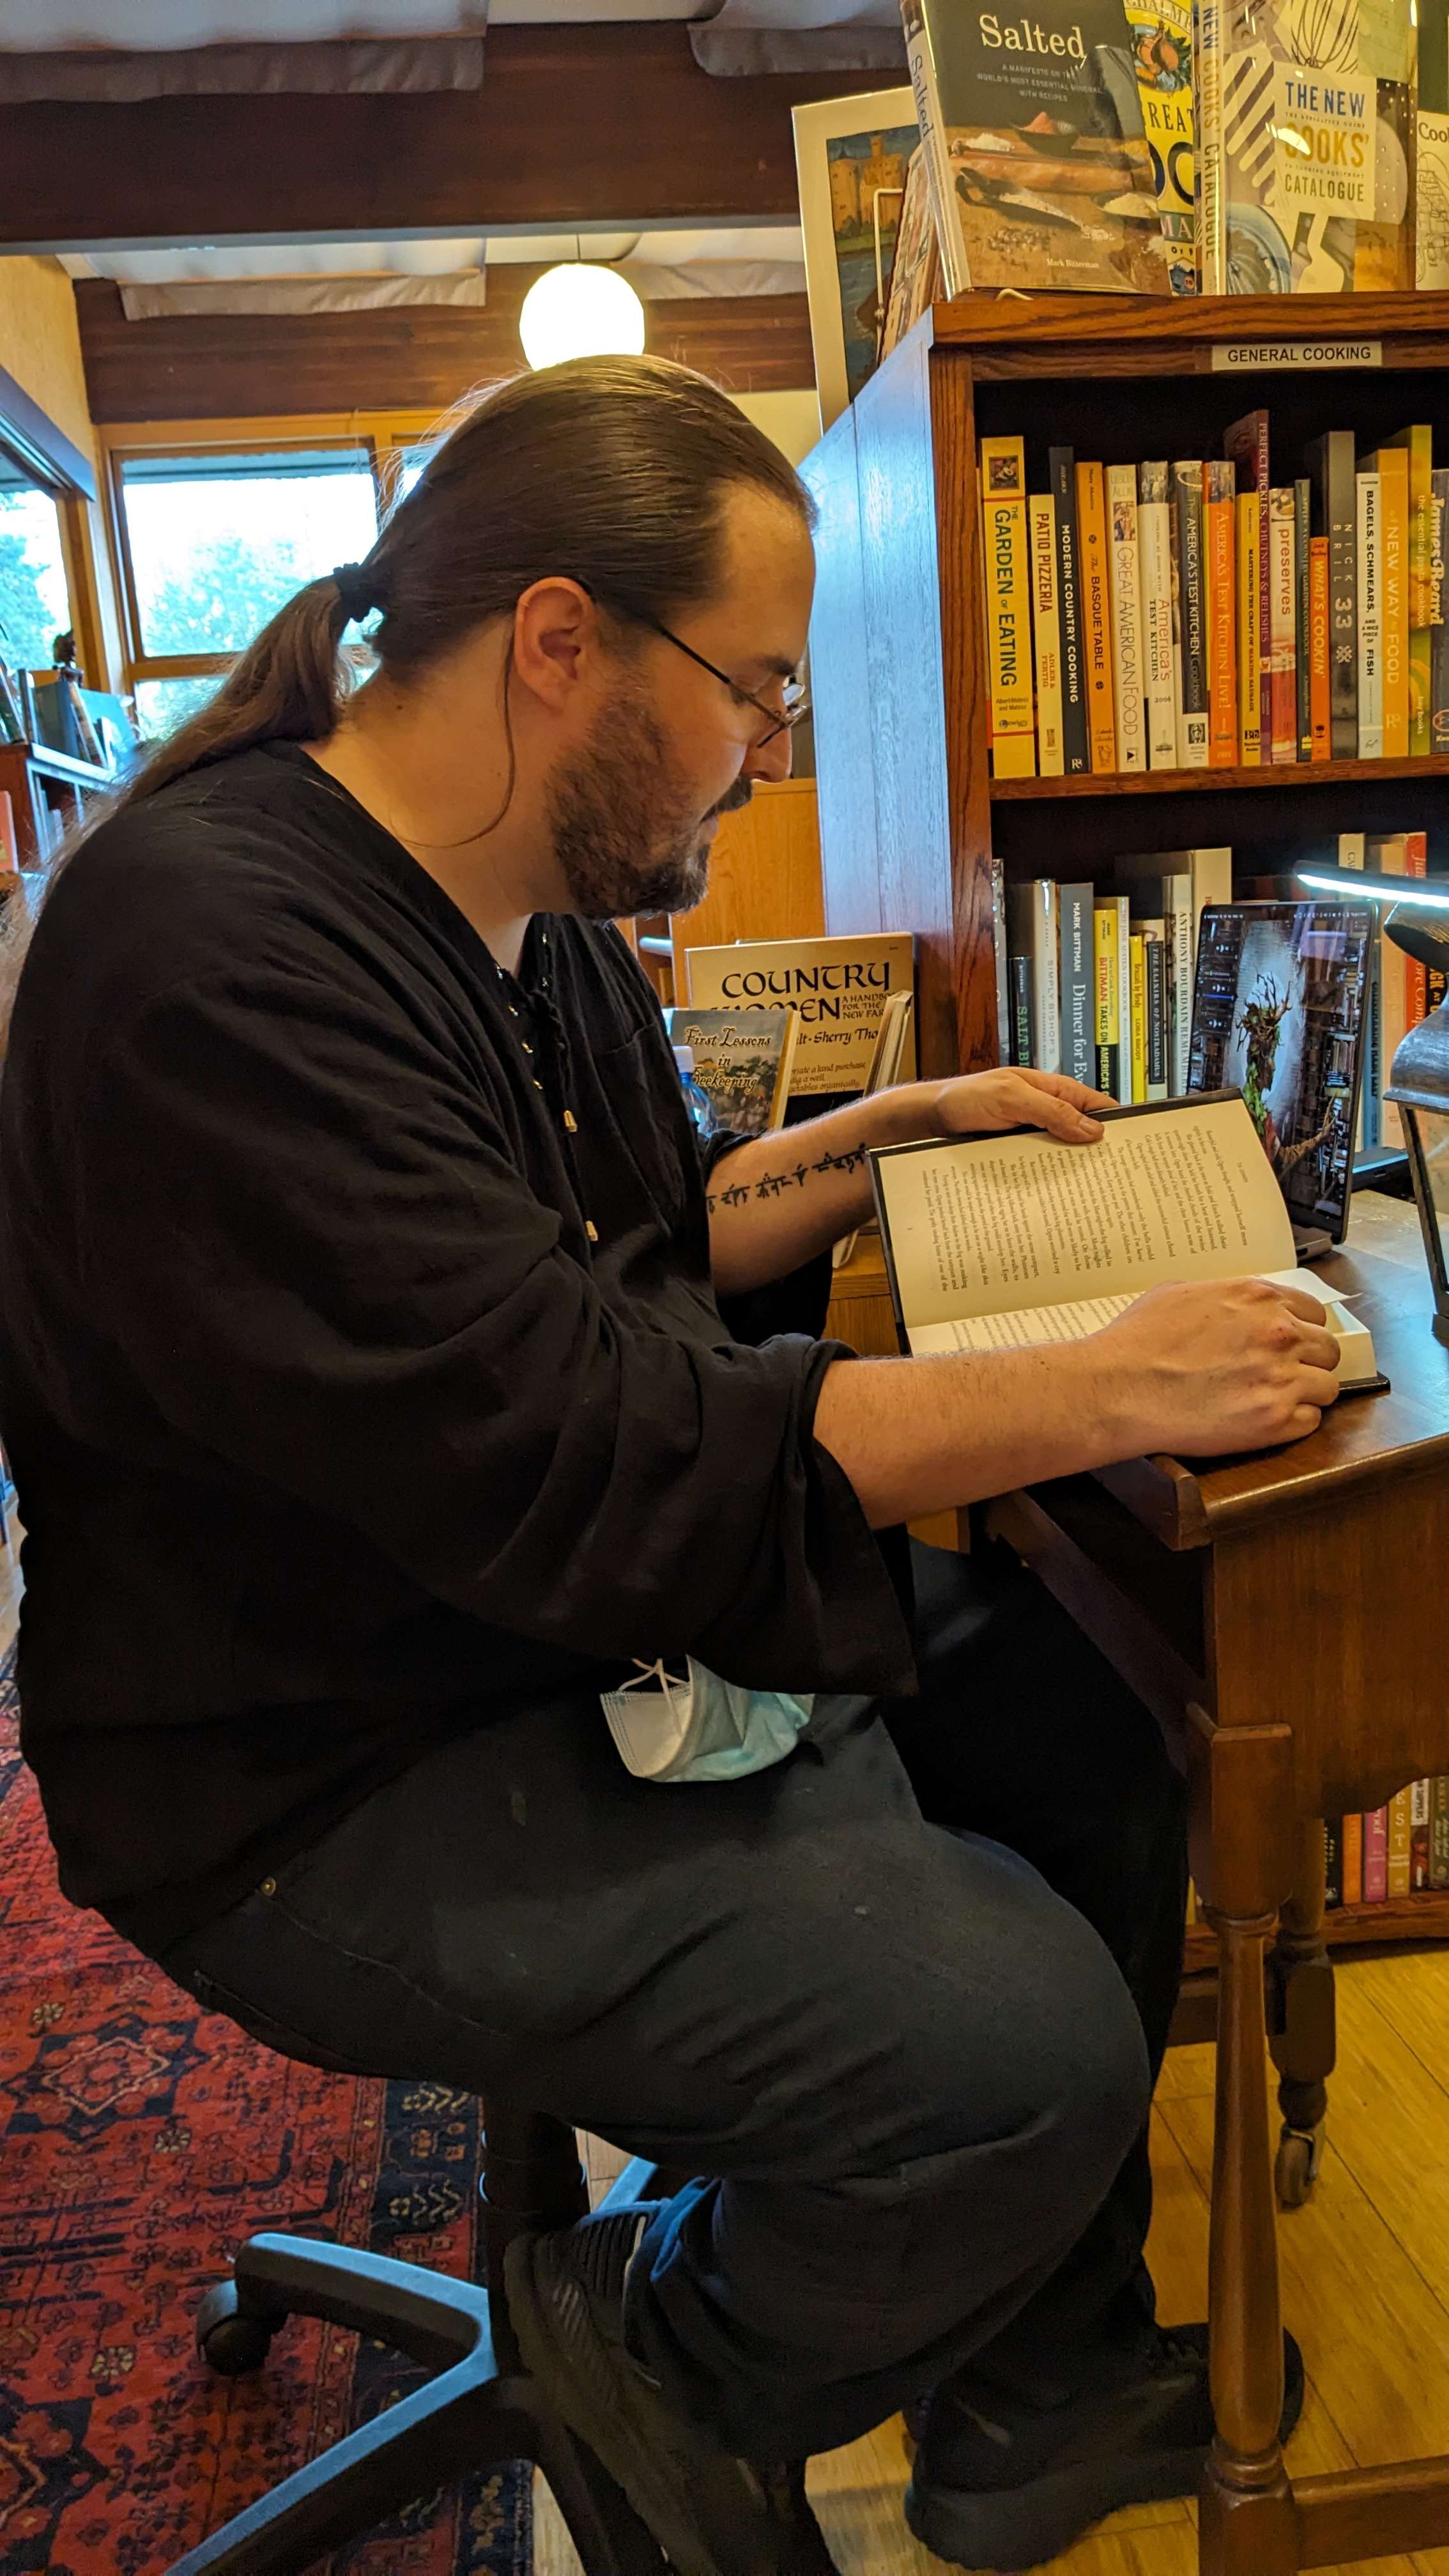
(911, 820)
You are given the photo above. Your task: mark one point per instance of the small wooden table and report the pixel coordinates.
(1283, 1615)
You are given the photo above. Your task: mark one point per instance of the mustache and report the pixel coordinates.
(734, 799)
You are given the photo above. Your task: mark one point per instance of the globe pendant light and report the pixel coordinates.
(580, 310)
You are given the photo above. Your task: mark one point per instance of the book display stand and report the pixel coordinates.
(916, 834)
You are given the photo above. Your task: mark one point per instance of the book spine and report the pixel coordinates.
(1187, 486)
(1137, 988)
(1005, 544)
(1078, 1017)
(1045, 969)
(1333, 1864)
(1183, 955)
(1393, 467)
(1097, 617)
(1375, 1855)
(1352, 1830)
(1250, 734)
(1439, 1830)
(1302, 577)
(1069, 610)
(1370, 676)
(1109, 1027)
(1423, 599)
(1154, 547)
(1218, 504)
(1284, 605)
(1021, 1046)
(1128, 693)
(1340, 508)
(1419, 1795)
(1046, 634)
(1320, 726)
(935, 150)
(1212, 227)
(1159, 1034)
(1398, 1845)
(1001, 956)
(1439, 624)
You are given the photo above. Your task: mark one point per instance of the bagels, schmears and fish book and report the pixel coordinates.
(838, 987)
(1038, 164)
(742, 1062)
(993, 1242)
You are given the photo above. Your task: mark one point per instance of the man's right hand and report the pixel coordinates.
(1202, 1370)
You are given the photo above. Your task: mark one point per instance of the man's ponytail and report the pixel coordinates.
(288, 685)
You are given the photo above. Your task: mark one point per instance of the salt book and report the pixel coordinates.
(993, 1242)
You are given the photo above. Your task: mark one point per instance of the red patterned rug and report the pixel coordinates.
(142, 2140)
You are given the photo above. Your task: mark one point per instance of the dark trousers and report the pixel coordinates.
(900, 1999)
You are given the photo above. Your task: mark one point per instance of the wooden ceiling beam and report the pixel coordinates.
(411, 357)
(613, 125)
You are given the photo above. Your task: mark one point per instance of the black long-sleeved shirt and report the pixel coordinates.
(359, 1363)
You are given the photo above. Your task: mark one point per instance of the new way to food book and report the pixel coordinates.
(994, 1242)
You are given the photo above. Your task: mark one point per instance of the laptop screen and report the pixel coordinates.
(1278, 1013)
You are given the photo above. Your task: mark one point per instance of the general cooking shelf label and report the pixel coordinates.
(1242, 357)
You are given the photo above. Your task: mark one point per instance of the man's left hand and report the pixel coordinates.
(984, 1104)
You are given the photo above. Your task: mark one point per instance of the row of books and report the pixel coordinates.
(1194, 614)
(1100, 980)
(1398, 1850)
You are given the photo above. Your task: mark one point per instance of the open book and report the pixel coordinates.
(995, 1241)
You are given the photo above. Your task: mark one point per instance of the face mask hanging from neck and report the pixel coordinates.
(700, 1727)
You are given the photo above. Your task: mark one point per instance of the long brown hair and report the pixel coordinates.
(610, 470)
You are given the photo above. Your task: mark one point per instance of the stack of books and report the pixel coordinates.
(1194, 613)
(1398, 1850)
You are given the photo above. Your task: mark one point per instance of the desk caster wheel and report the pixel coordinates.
(1296, 2168)
(228, 2342)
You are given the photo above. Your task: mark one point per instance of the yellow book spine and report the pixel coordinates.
(1006, 549)
(1393, 467)
(1400, 1829)
(1250, 647)
(1096, 616)
(1047, 634)
(1109, 1030)
(1137, 954)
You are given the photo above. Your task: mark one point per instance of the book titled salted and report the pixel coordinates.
(993, 1242)
(1031, 126)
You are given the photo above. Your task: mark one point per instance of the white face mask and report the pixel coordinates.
(701, 1727)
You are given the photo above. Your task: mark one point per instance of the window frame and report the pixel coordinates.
(385, 437)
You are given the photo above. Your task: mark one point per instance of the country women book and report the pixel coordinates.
(742, 1062)
(995, 1242)
(1031, 123)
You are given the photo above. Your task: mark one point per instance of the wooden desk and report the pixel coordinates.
(1283, 1616)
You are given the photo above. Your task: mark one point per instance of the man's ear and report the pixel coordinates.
(555, 638)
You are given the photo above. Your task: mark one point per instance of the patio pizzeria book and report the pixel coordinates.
(996, 1241)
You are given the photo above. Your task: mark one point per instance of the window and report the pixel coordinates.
(34, 595)
(213, 544)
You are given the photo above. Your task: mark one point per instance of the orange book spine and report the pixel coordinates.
(1096, 616)
(1220, 512)
(1353, 1860)
(1318, 659)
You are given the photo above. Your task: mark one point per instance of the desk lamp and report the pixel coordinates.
(1418, 923)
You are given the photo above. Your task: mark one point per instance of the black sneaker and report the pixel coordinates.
(1001, 2486)
(711, 2514)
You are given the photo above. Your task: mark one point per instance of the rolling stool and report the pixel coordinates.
(481, 2409)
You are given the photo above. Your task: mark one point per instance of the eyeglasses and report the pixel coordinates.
(777, 719)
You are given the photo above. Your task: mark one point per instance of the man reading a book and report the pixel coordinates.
(387, 1378)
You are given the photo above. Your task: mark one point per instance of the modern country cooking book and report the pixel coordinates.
(1031, 124)
(993, 1242)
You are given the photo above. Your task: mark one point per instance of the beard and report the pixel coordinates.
(627, 831)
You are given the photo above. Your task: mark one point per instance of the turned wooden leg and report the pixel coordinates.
(1301, 2024)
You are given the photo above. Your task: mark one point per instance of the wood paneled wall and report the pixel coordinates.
(764, 876)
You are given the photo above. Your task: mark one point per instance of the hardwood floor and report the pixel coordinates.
(1365, 2288)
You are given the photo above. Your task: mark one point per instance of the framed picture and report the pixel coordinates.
(852, 155)
(915, 278)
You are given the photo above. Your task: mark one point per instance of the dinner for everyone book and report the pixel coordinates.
(995, 1242)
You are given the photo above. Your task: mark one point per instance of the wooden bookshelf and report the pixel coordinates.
(913, 826)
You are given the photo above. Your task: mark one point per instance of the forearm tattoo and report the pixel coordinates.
(770, 1184)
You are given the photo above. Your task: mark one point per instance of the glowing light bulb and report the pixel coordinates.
(580, 311)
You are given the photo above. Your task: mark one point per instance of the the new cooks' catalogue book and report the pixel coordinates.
(996, 1241)
(1031, 125)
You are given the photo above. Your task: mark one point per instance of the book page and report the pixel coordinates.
(992, 1225)
(1031, 1326)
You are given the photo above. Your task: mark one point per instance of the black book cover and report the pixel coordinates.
(1075, 752)
(1332, 465)
(1333, 1863)
(1303, 669)
(1021, 1046)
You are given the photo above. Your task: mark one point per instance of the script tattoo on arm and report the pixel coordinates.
(770, 1184)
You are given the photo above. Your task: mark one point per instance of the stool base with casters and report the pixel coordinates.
(479, 2410)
